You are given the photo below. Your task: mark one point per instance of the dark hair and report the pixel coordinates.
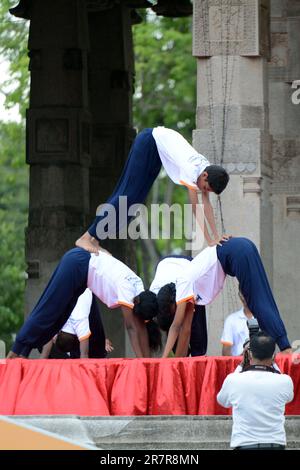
(262, 346)
(66, 342)
(217, 178)
(145, 307)
(154, 335)
(166, 297)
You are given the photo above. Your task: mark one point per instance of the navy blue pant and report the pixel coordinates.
(97, 338)
(198, 339)
(239, 257)
(141, 169)
(59, 298)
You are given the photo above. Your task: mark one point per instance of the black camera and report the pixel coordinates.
(253, 328)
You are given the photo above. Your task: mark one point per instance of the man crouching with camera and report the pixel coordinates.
(258, 396)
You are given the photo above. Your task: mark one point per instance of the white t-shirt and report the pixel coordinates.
(201, 279)
(206, 274)
(258, 402)
(172, 270)
(78, 322)
(235, 332)
(181, 161)
(112, 281)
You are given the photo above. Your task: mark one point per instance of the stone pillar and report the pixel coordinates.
(111, 71)
(58, 137)
(284, 68)
(231, 44)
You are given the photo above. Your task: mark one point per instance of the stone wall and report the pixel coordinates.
(248, 57)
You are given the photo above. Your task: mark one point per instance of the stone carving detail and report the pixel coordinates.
(35, 62)
(241, 167)
(33, 269)
(72, 59)
(52, 135)
(252, 184)
(101, 5)
(293, 205)
(265, 29)
(86, 137)
(233, 27)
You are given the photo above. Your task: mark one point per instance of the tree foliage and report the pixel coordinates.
(13, 49)
(13, 172)
(13, 217)
(165, 85)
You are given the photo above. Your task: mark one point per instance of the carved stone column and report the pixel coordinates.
(58, 136)
(231, 43)
(111, 72)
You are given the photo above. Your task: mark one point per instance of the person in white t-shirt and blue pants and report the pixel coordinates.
(170, 269)
(152, 149)
(201, 281)
(236, 331)
(114, 283)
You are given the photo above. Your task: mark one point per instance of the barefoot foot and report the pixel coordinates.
(88, 243)
(11, 355)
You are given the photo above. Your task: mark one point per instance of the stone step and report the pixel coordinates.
(149, 432)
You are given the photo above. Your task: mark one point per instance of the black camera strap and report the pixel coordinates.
(262, 369)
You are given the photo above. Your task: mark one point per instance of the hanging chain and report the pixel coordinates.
(208, 74)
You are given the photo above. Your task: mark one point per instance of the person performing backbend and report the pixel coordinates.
(152, 149)
(111, 281)
(201, 281)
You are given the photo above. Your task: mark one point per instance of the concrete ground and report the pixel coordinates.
(149, 432)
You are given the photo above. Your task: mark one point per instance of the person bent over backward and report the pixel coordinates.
(111, 281)
(200, 282)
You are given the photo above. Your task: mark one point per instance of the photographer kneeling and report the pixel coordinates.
(258, 396)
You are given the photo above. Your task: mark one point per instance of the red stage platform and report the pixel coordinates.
(103, 387)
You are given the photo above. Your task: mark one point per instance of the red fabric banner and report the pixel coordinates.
(102, 387)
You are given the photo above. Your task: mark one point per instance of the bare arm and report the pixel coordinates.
(143, 336)
(46, 349)
(175, 328)
(200, 219)
(84, 348)
(226, 350)
(209, 214)
(185, 332)
(132, 330)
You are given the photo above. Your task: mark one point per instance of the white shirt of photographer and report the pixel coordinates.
(258, 402)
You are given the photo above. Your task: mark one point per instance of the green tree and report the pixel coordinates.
(13, 49)
(14, 173)
(13, 217)
(165, 83)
